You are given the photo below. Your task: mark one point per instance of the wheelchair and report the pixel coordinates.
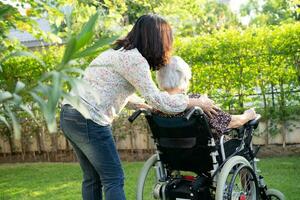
(189, 164)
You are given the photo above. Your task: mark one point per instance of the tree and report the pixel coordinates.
(271, 12)
(186, 17)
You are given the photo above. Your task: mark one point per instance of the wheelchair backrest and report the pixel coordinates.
(182, 143)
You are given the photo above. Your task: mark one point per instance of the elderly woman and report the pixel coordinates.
(175, 77)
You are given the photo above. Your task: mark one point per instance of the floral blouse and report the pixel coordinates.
(113, 77)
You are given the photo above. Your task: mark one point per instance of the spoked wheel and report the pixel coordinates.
(273, 194)
(237, 181)
(243, 184)
(148, 181)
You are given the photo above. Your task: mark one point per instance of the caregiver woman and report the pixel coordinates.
(113, 77)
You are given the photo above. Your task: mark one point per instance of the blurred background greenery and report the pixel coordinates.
(243, 53)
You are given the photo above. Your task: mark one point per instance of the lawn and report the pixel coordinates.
(58, 181)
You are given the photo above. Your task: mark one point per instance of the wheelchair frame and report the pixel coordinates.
(222, 166)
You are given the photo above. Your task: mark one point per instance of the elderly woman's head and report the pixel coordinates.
(175, 76)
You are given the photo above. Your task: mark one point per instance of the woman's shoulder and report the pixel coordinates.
(104, 58)
(119, 58)
(132, 54)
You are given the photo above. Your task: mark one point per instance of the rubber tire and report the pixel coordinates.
(143, 176)
(221, 181)
(275, 193)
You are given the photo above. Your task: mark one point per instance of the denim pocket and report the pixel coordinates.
(74, 125)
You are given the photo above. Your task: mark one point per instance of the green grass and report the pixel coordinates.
(58, 181)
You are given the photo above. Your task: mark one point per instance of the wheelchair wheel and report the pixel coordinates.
(243, 184)
(237, 181)
(275, 195)
(147, 180)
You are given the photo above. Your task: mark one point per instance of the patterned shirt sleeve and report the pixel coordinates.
(136, 71)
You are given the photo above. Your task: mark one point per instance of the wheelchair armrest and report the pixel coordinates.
(240, 130)
(192, 111)
(252, 123)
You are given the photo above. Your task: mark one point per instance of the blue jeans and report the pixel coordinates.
(97, 154)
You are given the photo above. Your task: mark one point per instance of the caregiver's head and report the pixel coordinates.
(152, 36)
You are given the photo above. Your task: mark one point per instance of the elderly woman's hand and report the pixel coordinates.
(206, 104)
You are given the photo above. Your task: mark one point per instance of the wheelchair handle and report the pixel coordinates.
(192, 110)
(136, 114)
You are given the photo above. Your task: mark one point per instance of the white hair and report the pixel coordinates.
(176, 74)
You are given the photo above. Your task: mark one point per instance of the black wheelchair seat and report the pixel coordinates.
(183, 143)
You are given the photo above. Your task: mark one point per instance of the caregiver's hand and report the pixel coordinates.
(206, 104)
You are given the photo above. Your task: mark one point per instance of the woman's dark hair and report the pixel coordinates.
(152, 36)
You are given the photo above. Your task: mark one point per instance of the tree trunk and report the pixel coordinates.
(267, 132)
(265, 114)
(284, 133)
(283, 114)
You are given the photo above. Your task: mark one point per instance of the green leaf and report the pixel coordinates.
(51, 125)
(46, 76)
(19, 86)
(5, 96)
(68, 16)
(69, 51)
(1, 68)
(39, 100)
(89, 51)
(3, 119)
(15, 123)
(27, 110)
(55, 92)
(48, 112)
(87, 31)
(5, 9)
(72, 70)
(17, 99)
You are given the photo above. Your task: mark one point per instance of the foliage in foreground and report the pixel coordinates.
(48, 86)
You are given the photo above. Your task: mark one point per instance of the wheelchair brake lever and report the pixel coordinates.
(136, 114)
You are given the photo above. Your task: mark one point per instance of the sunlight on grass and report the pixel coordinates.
(36, 194)
(62, 181)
